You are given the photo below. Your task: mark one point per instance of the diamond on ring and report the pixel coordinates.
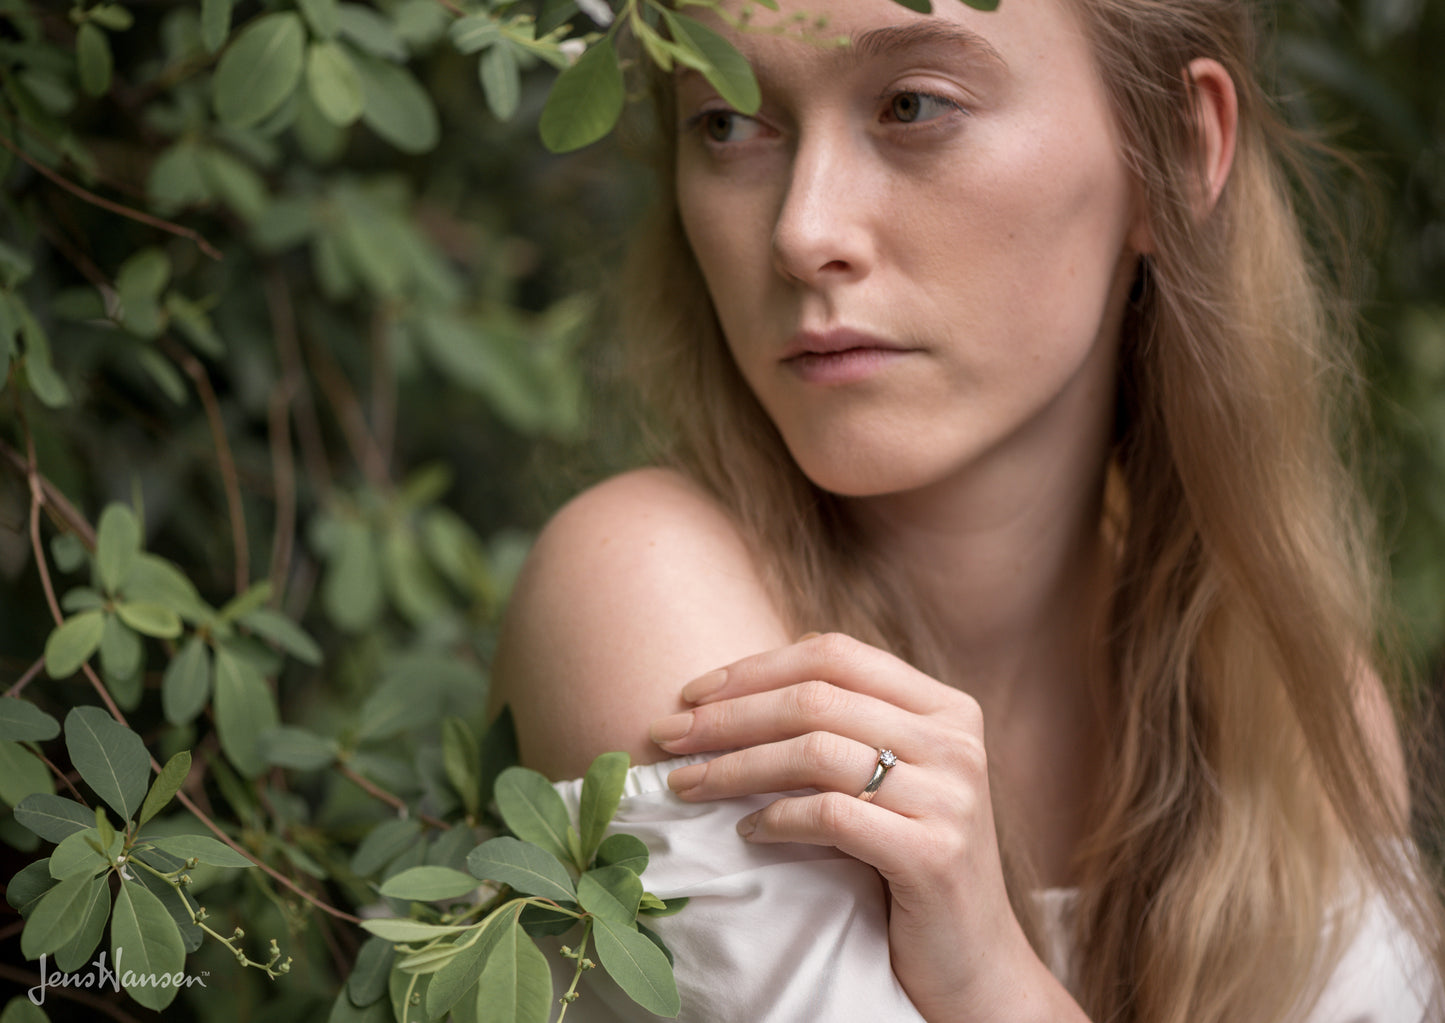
(886, 761)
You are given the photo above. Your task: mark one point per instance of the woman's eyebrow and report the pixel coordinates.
(889, 39)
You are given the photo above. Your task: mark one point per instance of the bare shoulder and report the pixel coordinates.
(635, 587)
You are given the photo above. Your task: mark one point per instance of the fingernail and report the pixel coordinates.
(704, 685)
(808, 635)
(670, 729)
(685, 778)
(748, 825)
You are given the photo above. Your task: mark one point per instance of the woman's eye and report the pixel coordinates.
(726, 126)
(912, 107)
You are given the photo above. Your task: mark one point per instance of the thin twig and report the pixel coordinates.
(114, 207)
(27, 678)
(377, 792)
(225, 463)
(30, 980)
(293, 375)
(283, 471)
(347, 408)
(62, 776)
(55, 501)
(383, 387)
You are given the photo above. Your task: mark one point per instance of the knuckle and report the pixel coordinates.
(814, 699)
(836, 646)
(824, 753)
(834, 811)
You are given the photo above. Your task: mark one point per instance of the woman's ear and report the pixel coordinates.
(1216, 115)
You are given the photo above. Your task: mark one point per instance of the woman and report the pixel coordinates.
(990, 347)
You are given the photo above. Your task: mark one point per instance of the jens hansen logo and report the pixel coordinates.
(102, 976)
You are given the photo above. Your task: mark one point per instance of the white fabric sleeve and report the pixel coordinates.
(772, 934)
(1382, 977)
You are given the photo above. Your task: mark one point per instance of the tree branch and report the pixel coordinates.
(225, 463)
(138, 216)
(390, 799)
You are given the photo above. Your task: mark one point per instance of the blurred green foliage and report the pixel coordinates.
(297, 348)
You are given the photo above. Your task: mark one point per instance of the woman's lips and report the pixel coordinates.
(839, 356)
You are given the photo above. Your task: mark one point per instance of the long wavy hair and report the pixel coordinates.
(1245, 620)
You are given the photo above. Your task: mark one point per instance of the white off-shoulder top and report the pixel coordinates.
(798, 934)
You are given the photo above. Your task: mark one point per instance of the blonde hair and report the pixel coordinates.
(1242, 790)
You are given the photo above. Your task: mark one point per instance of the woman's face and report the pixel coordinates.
(919, 248)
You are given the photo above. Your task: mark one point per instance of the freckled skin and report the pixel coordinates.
(994, 238)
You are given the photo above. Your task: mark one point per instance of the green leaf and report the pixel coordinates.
(298, 749)
(254, 597)
(75, 953)
(921, 6)
(144, 942)
(150, 619)
(499, 752)
(585, 102)
(384, 843)
(120, 649)
(28, 886)
(371, 32)
(429, 884)
(656, 939)
(260, 70)
(139, 283)
(110, 757)
(601, 792)
(474, 32)
(177, 905)
(622, 850)
(56, 917)
(235, 183)
(164, 373)
(731, 75)
(22, 1010)
(166, 785)
(367, 982)
(323, 16)
(428, 960)
(244, 709)
(202, 847)
(22, 774)
(92, 54)
(45, 383)
(53, 818)
(83, 853)
(501, 79)
(215, 23)
(72, 643)
(669, 906)
(982, 5)
(639, 967)
(103, 826)
(533, 810)
(613, 892)
(406, 931)
(276, 627)
(462, 761)
(334, 82)
(118, 535)
(523, 866)
(112, 16)
(351, 592)
(82, 598)
(154, 580)
(186, 685)
(516, 984)
(195, 325)
(396, 107)
(459, 976)
(21, 719)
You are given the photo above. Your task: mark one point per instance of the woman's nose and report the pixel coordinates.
(821, 234)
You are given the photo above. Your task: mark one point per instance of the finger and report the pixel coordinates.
(796, 710)
(818, 760)
(865, 831)
(834, 658)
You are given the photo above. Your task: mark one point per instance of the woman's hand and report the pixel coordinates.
(815, 715)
